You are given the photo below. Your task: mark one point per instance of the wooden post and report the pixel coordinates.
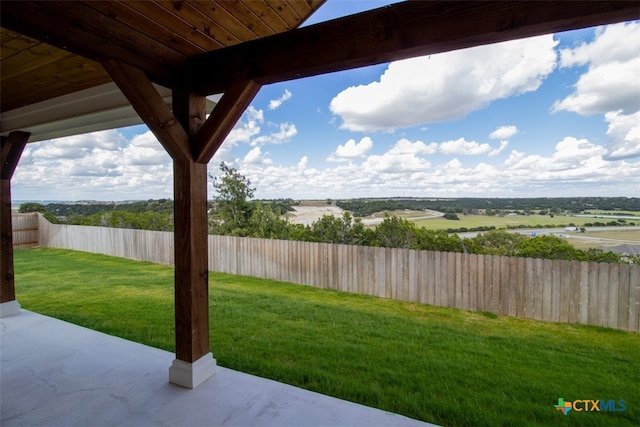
(190, 238)
(11, 148)
(191, 141)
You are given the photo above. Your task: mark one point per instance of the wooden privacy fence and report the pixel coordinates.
(560, 291)
(24, 230)
(144, 245)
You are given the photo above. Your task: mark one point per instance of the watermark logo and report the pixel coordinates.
(588, 405)
(563, 406)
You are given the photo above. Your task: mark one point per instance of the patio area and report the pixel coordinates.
(55, 373)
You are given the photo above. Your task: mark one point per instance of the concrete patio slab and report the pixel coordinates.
(55, 373)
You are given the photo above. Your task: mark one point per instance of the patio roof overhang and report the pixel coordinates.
(196, 49)
(89, 110)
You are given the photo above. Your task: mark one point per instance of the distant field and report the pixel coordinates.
(604, 239)
(630, 235)
(627, 213)
(533, 221)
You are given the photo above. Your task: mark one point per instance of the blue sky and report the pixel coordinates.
(551, 116)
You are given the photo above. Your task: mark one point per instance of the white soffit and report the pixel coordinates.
(90, 110)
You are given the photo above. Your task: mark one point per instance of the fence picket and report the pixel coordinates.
(573, 276)
(634, 300)
(594, 295)
(612, 297)
(623, 297)
(430, 276)
(603, 278)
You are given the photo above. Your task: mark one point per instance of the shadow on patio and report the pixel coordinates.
(55, 373)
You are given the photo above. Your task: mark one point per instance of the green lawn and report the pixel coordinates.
(445, 366)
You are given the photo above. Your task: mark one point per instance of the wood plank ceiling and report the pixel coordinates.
(158, 37)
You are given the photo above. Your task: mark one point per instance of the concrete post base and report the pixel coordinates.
(190, 375)
(9, 308)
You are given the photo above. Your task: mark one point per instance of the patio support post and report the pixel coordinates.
(191, 140)
(11, 148)
(194, 363)
(175, 130)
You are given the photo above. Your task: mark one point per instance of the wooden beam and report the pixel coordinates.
(190, 110)
(11, 148)
(399, 31)
(149, 105)
(7, 282)
(10, 152)
(190, 238)
(223, 118)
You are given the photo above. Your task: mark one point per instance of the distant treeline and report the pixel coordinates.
(366, 207)
(143, 215)
(157, 206)
(91, 208)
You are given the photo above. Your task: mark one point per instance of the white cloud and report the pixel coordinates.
(573, 160)
(604, 88)
(607, 46)
(404, 146)
(285, 132)
(575, 167)
(464, 147)
(145, 150)
(99, 165)
(624, 134)
(246, 128)
(610, 86)
(302, 163)
(256, 157)
(446, 86)
(79, 146)
(496, 151)
(276, 103)
(395, 163)
(504, 132)
(351, 150)
(611, 81)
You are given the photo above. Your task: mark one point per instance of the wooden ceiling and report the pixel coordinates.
(52, 48)
(37, 39)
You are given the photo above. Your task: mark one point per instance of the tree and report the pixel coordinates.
(549, 247)
(264, 223)
(38, 207)
(345, 230)
(233, 207)
(437, 240)
(497, 242)
(32, 207)
(395, 232)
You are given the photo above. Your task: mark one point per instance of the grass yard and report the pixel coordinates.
(441, 365)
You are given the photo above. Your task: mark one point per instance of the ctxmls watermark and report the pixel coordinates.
(588, 405)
